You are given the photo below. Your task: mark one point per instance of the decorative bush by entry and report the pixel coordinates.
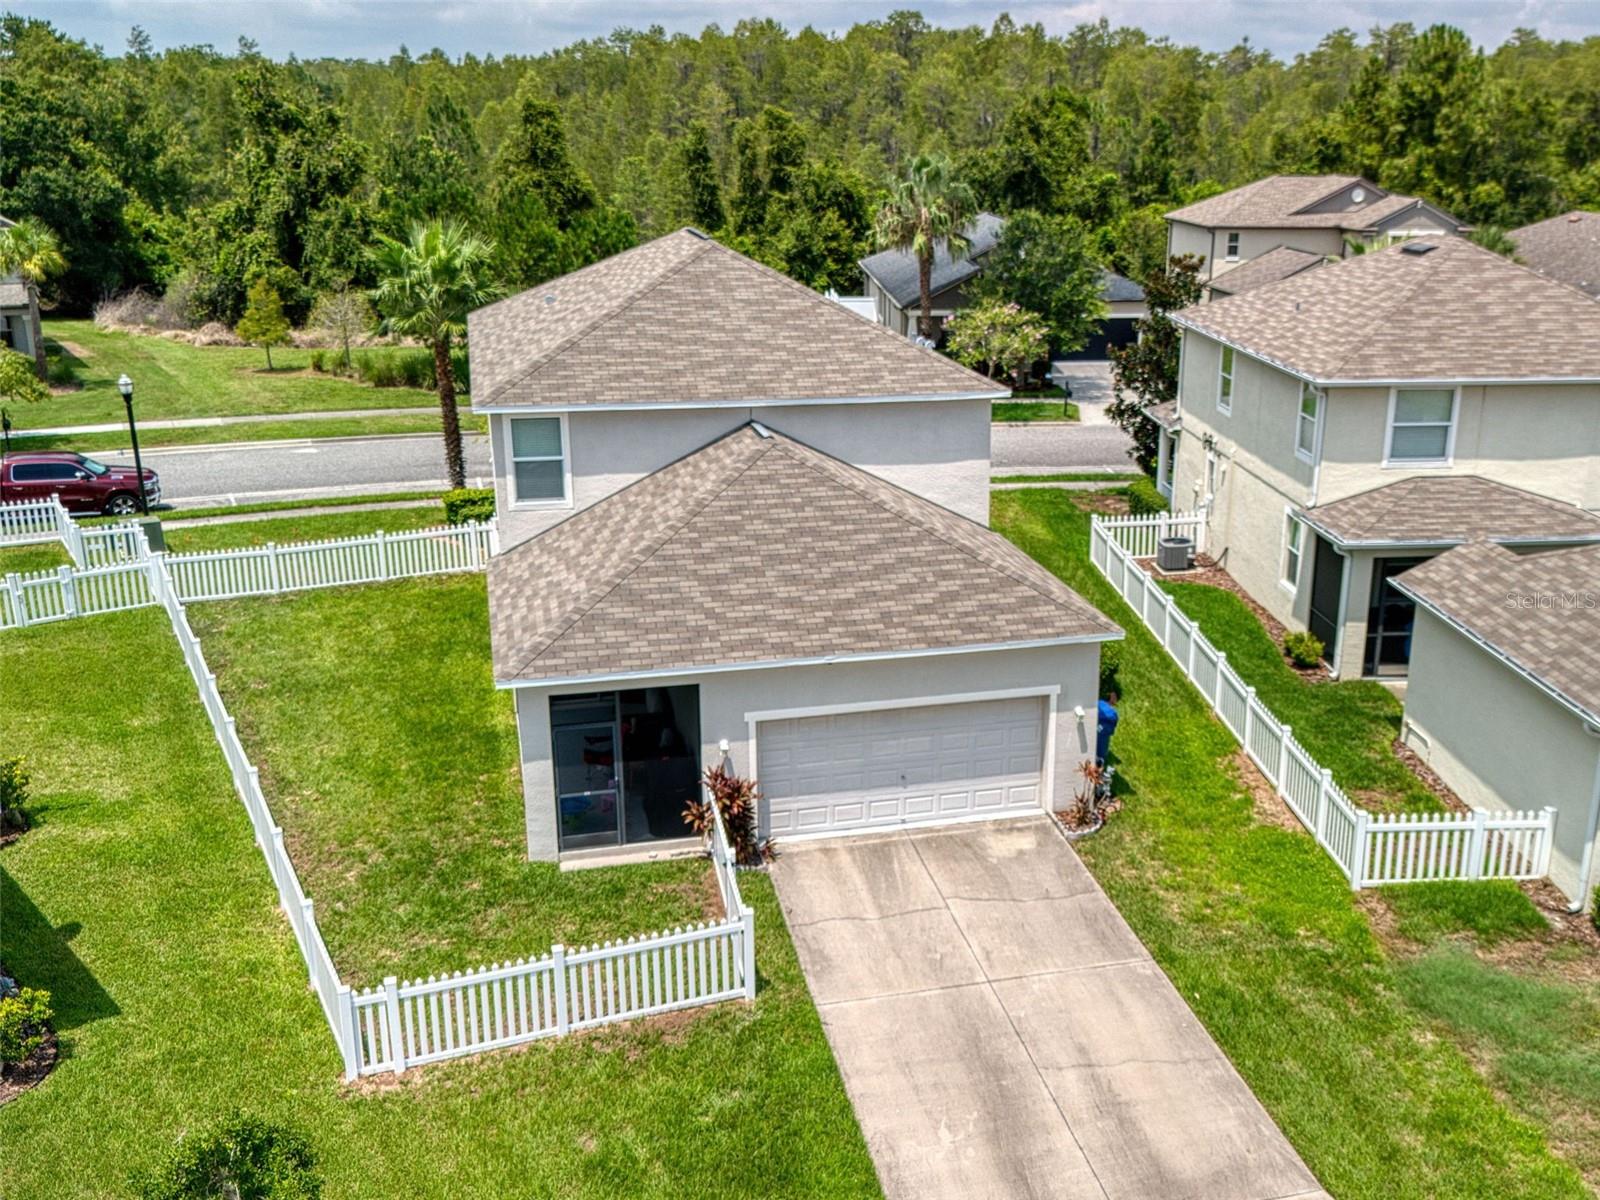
(468, 504)
(24, 1021)
(239, 1156)
(1110, 663)
(14, 781)
(1303, 648)
(739, 801)
(1144, 498)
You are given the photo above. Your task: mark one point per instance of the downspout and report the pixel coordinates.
(1344, 605)
(1586, 864)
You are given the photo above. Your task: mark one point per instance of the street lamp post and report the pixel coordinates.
(125, 386)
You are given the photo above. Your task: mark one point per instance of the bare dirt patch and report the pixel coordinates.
(1264, 799)
(701, 892)
(1425, 774)
(1108, 504)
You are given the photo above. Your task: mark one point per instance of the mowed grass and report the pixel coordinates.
(1011, 411)
(1349, 726)
(1261, 934)
(232, 535)
(172, 379)
(357, 425)
(40, 556)
(142, 903)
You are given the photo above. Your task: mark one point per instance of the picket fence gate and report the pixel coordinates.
(1370, 848)
(397, 1025)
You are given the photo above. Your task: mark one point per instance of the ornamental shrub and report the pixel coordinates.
(239, 1156)
(24, 1020)
(14, 781)
(1144, 498)
(1303, 648)
(1110, 663)
(468, 504)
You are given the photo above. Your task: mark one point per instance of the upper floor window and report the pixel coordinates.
(1421, 425)
(1225, 380)
(1305, 434)
(1233, 245)
(538, 459)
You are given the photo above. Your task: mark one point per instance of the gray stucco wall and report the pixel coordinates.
(1498, 741)
(726, 697)
(937, 449)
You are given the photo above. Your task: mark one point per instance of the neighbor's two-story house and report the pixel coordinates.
(19, 313)
(764, 541)
(1285, 224)
(1345, 424)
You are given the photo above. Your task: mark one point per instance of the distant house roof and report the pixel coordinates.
(1165, 414)
(1445, 310)
(757, 550)
(1565, 248)
(1448, 510)
(684, 320)
(13, 293)
(1119, 289)
(1278, 263)
(896, 272)
(1296, 202)
(1537, 612)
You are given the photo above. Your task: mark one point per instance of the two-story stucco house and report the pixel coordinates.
(765, 541)
(1343, 425)
(1292, 222)
(19, 314)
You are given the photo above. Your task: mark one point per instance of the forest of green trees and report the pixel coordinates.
(194, 172)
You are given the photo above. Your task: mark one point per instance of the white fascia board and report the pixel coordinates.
(1490, 648)
(1083, 639)
(754, 402)
(1343, 543)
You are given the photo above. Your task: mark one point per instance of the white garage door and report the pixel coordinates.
(901, 765)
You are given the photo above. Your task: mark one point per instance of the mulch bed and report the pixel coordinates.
(30, 1071)
(1426, 776)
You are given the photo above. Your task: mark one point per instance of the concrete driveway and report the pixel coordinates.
(1001, 1032)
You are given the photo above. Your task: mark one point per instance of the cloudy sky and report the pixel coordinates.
(376, 28)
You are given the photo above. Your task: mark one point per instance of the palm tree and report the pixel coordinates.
(427, 286)
(929, 205)
(29, 248)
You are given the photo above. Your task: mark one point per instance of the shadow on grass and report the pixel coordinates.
(40, 955)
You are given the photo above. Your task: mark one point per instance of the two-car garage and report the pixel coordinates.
(907, 764)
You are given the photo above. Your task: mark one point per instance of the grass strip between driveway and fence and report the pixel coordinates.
(1261, 933)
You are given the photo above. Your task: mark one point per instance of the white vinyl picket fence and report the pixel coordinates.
(1371, 849)
(26, 521)
(40, 596)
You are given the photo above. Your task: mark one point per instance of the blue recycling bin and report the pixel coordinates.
(1104, 728)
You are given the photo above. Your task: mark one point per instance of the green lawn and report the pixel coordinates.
(356, 425)
(1071, 477)
(228, 535)
(142, 903)
(1349, 726)
(1009, 411)
(176, 380)
(1262, 935)
(39, 556)
(264, 506)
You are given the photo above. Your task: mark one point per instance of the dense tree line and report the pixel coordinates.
(196, 171)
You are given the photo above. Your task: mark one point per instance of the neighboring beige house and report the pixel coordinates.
(1343, 424)
(894, 289)
(19, 311)
(1504, 696)
(1316, 215)
(1566, 248)
(761, 541)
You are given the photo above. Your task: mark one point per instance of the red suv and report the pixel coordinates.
(84, 485)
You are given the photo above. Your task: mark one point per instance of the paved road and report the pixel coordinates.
(1001, 1032)
(312, 468)
(309, 469)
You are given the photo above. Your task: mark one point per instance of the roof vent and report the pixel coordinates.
(703, 236)
(549, 297)
(1416, 247)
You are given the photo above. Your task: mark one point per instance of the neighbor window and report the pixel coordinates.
(1420, 424)
(1225, 380)
(538, 461)
(1305, 437)
(1233, 246)
(1293, 531)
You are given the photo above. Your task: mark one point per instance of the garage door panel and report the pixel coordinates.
(891, 766)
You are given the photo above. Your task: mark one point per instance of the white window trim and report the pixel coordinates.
(1304, 455)
(1230, 244)
(1450, 436)
(1224, 373)
(1290, 521)
(566, 465)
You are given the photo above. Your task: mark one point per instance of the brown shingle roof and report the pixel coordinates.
(1276, 203)
(1541, 612)
(1457, 312)
(683, 319)
(1281, 262)
(755, 550)
(1565, 248)
(1439, 510)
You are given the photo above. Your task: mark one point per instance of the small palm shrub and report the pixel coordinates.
(24, 1021)
(462, 505)
(1303, 648)
(240, 1157)
(1144, 498)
